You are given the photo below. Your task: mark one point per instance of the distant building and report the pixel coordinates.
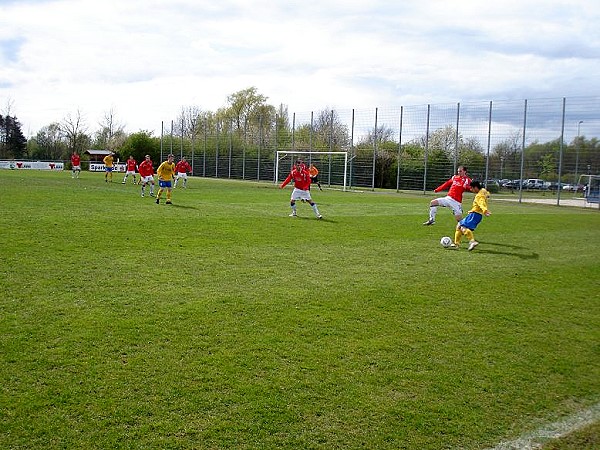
(97, 155)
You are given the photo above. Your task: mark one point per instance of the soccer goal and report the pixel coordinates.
(332, 166)
(591, 190)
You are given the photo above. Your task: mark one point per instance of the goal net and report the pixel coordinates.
(591, 187)
(332, 166)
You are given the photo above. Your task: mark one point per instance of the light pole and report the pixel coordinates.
(577, 153)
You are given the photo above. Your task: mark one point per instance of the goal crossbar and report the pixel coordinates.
(283, 153)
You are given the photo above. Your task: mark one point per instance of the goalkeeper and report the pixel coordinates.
(314, 175)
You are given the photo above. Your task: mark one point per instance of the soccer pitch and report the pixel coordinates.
(220, 322)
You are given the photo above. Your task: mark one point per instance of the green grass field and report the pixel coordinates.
(220, 322)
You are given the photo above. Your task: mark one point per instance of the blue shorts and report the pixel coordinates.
(471, 221)
(164, 184)
(108, 169)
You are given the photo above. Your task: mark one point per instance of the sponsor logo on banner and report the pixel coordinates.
(99, 167)
(32, 165)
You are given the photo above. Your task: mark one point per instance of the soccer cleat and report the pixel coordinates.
(453, 246)
(158, 201)
(293, 214)
(123, 182)
(151, 194)
(429, 222)
(319, 216)
(168, 202)
(142, 194)
(472, 245)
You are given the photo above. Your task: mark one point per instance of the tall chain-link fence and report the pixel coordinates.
(502, 143)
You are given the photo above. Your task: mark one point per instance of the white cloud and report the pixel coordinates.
(147, 59)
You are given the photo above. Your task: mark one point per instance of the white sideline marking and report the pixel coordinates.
(541, 436)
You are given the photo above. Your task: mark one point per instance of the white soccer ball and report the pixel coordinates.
(445, 241)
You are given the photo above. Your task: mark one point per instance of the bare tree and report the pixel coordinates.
(111, 135)
(188, 122)
(74, 130)
(330, 132)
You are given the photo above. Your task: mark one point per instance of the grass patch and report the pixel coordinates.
(588, 438)
(219, 322)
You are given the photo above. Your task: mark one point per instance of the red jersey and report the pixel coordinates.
(75, 159)
(131, 165)
(301, 178)
(145, 169)
(458, 185)
(183, 167)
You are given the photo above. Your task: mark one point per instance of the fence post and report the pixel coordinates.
(294, 131)
(351, 150)
(523, 152)
(204, 149)
(217, 153)
(229, 159)
(560, 150)
(330, 148)
(399, 149)
(426, 150)
(456, 138)
(171, 143)
(311, 131)
(489, 143)
(374, 151)
(162, 132)
(244, 150)
(260, 139)
(181, 144)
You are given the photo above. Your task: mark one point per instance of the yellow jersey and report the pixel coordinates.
(480, 204)
(166, 171)
(108, 160)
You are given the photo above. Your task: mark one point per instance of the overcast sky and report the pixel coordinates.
(146, 59)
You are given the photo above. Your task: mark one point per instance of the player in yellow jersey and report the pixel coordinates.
(166, 173)
(108, 167)
(467, 225)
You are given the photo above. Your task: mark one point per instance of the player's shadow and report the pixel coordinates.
(323, 219)
(182, 206)
(518, 251)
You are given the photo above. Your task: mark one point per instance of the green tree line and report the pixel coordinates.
(248, 124)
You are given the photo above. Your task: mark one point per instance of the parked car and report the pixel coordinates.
(514, 184)
(535, 183)
(573, 187)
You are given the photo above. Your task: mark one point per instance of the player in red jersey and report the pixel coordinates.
(301, 177)
(130, 166)
(181, 170)
(456, 186)
(146, 171)
(75, 165)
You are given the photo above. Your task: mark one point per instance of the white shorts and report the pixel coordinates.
(181, 175)
(449, 202)
(76, 167)
(130, 172)
(148, 179)
(299, 194)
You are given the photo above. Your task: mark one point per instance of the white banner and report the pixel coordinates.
(99, 167)
(34, 165)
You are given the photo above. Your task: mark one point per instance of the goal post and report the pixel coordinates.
(333, 166)
(591, 188)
